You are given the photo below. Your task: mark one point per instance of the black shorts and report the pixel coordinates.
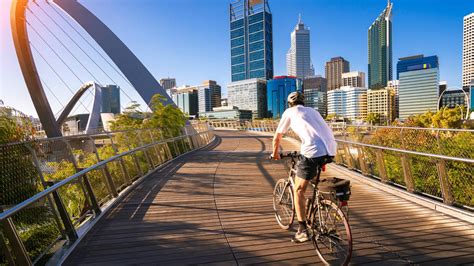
(307, 167)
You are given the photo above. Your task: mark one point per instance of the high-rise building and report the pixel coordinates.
(468, 51)
(186, 98)
(315, 94)
(380, 49)
(471, 99)
(228, 112)
(394, 85)
(110, 99)
(382, 103)
(251, 40)
(419, 85)
(209, 96)
(168, 83)
(334, 69)
(348, 102)
(298, 58)
(353, 79)
(278, 90)
(249, 95)
(416, 62)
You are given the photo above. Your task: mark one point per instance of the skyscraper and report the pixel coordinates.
(249, 94)
(353, 79)
(348, 102)
(278, 90)
(110, 99)
(186, 98)
(251, 40)
(315, 94)
(468, 51)
(419, 85)
(334, 69)
(209, 96)
(298, 58)
(382, 102)
(380, 49)
(168, 83)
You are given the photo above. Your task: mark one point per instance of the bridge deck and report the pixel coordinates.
(215, 206)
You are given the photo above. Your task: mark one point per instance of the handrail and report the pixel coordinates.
(10, 212)
(417, 128)
(444, 157)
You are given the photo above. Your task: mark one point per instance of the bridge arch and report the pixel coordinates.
(132, 68)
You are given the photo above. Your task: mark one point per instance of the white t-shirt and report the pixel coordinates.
(316, 137)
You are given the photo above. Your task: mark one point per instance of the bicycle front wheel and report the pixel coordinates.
(332, 236)
(283, 204)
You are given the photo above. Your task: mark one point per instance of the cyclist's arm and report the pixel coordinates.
(276, 145)
(282, 128)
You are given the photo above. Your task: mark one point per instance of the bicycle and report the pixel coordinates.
(331, 233)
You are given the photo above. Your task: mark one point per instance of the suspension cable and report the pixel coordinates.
(56, 73)
(51, 91)
(77, 45)
(64, 46)
(95, 49)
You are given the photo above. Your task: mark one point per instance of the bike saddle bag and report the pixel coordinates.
(335, 188)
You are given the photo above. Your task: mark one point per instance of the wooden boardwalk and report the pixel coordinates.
(215, 206)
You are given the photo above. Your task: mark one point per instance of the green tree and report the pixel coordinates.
(169, 118)
(373, 118)
(130, 118)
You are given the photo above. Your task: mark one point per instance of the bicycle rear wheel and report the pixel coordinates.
(332, 236)
(283, 204)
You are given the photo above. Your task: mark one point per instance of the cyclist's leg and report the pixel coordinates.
(300, 188)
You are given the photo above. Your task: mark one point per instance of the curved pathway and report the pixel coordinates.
(215, 206)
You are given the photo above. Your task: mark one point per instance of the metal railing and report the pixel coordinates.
(53, 190)
(437, 163)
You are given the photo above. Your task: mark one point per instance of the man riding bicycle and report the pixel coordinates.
(317, 143)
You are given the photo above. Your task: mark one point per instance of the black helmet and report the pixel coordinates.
(295, 98)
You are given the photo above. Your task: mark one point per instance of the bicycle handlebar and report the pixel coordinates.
(292, 154)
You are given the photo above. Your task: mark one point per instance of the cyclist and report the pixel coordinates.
(317, 143)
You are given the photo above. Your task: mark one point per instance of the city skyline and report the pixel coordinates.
(449, 71)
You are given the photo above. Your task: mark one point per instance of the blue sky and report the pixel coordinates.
(189, 40)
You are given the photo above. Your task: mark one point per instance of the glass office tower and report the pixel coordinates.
(419, 85)
(380, 49)
(110, 99)
(278, 90)
(251, 40)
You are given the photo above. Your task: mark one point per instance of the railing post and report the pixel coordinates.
(135, 158)
(381, 166)
(407, 173)
(5, 250)
(150, 162)
(106, 173)
(19, 250)
(68, 226)
(158, 153)
(166, 147)
(444, 183)
(45, 185)
(350, 162)
(122, 163)
(87, 185)
(363, 165)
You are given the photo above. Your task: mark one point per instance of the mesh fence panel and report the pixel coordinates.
(425, 175)
(38, 229)
(461, 182)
